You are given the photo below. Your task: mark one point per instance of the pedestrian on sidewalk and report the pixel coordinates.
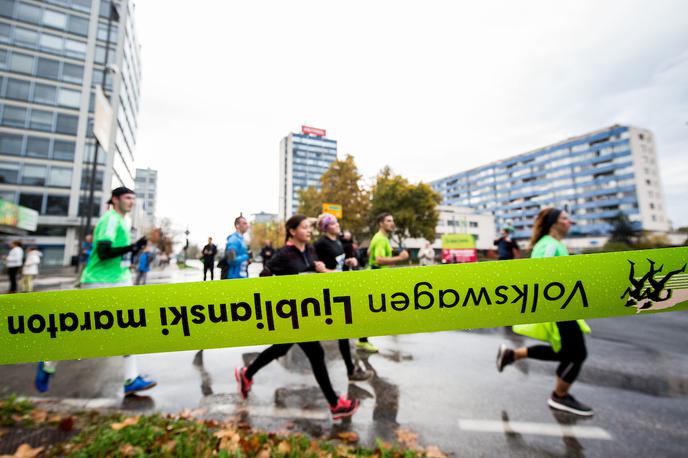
(208, 255)
(237, 250)
(143, 266)
(108, 267)
(426, 255)
(566, 340)
(507, 248)
(297, 257)
(30, 269)
(380, 257)
(14, 262)
(330, 251)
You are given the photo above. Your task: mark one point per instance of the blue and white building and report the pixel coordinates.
(303, 158)
(52, 56)
(594, 176)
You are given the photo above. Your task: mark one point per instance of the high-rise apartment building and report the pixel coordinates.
(594, 176)
(303, 158)
(52, 57)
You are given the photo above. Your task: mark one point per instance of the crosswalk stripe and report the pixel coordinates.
(542, 429)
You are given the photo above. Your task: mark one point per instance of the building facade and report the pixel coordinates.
(594, 176)
(146, 188)
(52, 57)
(303, 158)
(461, 220)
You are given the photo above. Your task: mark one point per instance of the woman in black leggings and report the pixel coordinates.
(567, 343)
(296, 257)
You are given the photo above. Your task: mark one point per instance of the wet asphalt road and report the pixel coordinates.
(442, 386)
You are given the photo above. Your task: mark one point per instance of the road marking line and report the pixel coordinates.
(542, 429)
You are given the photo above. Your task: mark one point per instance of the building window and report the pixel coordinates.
(60, 177)
(34, 175)
(43, 93)
(41, 120)
(29, 13)
(54, 19)
(67, 124)
(72, 73)
(7, 196)
(69, 98)
(63, 150)
(9, 173)
(472, 224)
(78, 25)
(18, 89)
(48, 68)
(38, 147)
(14, 116)
(25, 37)
(57, 205)
(33, 201)
(10, 144)
(21, 63)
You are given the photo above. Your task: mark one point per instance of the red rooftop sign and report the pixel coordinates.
(312, 131)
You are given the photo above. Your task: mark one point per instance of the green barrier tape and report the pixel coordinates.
(186, 316)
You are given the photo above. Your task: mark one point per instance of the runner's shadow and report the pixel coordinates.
(206, 380)
(137, 403)
(515, 440)
(573, 446)
(386, 400)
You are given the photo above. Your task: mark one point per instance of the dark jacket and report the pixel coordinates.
(289, 260)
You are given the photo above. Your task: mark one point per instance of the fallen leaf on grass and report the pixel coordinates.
(284, 448)
(407, 437)
(263, 454)
(25, 451)
(127, 422)
(348, 436)
(39, 416)
(66, 424)
(434, 452)
(169, 446)
(229, 440)
(129, 450)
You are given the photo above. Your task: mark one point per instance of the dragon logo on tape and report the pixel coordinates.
(654, 291)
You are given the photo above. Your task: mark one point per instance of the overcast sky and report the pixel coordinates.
(430, 88)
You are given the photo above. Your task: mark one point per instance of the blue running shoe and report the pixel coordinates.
(138, 384)
(42, 378)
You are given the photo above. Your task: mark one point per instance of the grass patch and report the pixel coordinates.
(116, 435)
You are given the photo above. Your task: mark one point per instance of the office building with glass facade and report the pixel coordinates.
(594, 176)
(52, 56)
(303, 158)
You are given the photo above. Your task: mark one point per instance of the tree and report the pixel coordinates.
(340, 184)
(414, 207)
(310, 202)
(261, 232)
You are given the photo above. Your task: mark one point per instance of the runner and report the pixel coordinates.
(330, 251)
(14, 261)
(296, 257)
(567, 344)
(108, 266)
(380, 256)
(236, 250)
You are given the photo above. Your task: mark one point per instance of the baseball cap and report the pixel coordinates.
(117, 192)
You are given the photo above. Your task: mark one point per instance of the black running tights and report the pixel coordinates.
(570, 356)
(345, 350)
(316, 355)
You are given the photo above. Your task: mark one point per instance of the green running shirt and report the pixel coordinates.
(379, 247)
(115, 229)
